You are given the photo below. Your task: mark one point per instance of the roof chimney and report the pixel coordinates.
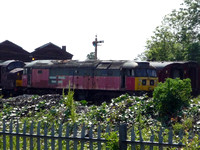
(64, 48)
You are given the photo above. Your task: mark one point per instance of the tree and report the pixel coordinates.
(91, 56)
(163, 46)
(178, 37)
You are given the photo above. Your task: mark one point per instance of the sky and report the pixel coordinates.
(124, 26)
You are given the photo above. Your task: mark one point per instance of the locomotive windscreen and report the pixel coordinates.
(143, 72)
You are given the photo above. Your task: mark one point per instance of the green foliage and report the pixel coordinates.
(91, 56)
(186, 126)
(83, 102)
(35, 96)
(112, 140)
(137, 112)
(192, 143)
(177, 128)
(177, 38)
(70, 105)
(171, 97)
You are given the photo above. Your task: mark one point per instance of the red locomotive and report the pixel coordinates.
(90, 79)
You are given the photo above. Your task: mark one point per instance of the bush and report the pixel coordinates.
(171, 96)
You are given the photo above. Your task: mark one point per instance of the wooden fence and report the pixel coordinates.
(30, 137)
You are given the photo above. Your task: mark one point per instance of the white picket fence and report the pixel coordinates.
(75, 139)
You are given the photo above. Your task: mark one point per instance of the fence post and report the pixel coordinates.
(122, 137)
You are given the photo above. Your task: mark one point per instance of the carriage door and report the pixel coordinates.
(192, 74)
(123, 78)
(0, 75)
(29, 73)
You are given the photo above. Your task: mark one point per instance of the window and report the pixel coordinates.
(52, 77)
(60, 81)
(144, 72)
(110, 73)
(141, 72)
(151, 72)
(61, 77)
(53, 81)
(39, 71)
(144, 82)
(130, 73)
(25, 71)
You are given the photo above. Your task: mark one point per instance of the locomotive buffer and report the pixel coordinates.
(95, 44)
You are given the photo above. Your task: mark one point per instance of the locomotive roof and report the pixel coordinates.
(160, 65)
(6, 63)
(133, 64)
(16, 70)
(98, 64)
(1, 62)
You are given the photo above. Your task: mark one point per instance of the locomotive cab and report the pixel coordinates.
(138, 76)
(11, 76)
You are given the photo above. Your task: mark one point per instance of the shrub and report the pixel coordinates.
(171, 96)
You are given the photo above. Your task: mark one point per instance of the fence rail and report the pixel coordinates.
(25, 138)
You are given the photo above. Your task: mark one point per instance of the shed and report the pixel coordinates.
(50, 51)
(11, 51)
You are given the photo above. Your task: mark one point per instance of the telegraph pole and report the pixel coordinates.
(95, 44)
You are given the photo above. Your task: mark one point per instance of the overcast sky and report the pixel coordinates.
(124, 25)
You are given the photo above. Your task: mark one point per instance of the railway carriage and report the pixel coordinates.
(182, 70)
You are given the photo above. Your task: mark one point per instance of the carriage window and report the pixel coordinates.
(151, 72)
(176, 74)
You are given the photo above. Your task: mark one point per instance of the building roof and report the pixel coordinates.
(10, 44)
(47, 45)
(51, 51)
(10, 50)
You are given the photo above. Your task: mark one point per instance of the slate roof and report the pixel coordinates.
(46, 45)
(51, 51)
(10, 50)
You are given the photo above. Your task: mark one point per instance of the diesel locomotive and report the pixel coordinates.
(11, 76)
(90, 79)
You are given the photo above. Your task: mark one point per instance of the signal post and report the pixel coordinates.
(95, 44)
